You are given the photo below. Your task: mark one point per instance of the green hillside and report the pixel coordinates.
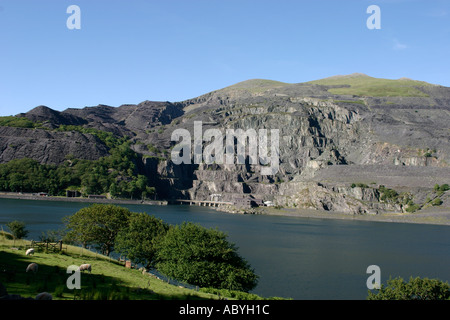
(363, 85)
(109, 279)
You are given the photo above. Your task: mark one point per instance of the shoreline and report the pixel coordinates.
(5, 195)
(436, 217)
(428, 216)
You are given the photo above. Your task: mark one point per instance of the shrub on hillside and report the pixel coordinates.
(17, 229)
(415, 289)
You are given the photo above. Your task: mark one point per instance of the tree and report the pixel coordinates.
(97, 224)
(415, 289)
(203, 257)
(139, 239)
(17, 229)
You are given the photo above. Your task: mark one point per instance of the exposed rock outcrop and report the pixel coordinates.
(48, 147)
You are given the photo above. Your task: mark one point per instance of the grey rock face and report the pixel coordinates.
(53, 118)
(48, 147)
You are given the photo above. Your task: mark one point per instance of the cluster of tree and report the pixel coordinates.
(414, 289)
(187, 252)
(116, 174)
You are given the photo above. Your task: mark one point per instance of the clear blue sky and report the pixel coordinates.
(128, 51)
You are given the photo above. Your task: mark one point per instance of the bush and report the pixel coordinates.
(442, 189)
(17, 229)
(436, 202)
(359, 185)
(388, 194)
(415, 289)
(203, 257)
(412, 207)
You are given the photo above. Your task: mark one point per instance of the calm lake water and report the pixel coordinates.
(301, 258)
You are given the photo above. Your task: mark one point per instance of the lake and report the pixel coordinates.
(300, 258)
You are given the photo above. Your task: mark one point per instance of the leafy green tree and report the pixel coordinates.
(203, 257)
(138, 240)
(17, 229)
(415, 289)
(98, 225)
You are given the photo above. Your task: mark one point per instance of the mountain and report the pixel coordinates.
(341, 138)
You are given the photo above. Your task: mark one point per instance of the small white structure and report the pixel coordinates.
(269, 203)
(215, 197)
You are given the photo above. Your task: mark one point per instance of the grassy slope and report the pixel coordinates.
(255, 85)
(359, 85)
(108, 277)
(363, 85)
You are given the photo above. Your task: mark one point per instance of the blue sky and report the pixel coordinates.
(172, 50)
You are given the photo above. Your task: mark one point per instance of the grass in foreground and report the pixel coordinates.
(109, 279)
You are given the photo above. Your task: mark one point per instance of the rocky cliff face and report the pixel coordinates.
(48, 147)
(327, 141)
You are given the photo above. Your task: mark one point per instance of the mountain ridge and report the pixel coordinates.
(250, 84)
